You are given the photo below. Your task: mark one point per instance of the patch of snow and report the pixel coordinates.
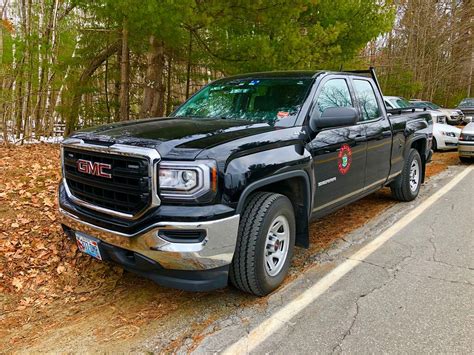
(32, 140)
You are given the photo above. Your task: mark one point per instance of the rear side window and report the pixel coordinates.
(335, 93)
(367, 100)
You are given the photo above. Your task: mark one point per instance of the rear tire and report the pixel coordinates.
(465, 160)
(264, 245)
(434, 145)
(407, 185)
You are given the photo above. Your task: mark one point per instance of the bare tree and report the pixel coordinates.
(124, 75)
(154, 90)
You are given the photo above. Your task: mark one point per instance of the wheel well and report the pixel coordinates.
(296, 190)
(420, 145)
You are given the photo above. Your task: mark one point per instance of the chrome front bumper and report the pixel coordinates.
(466, 149)
(215, 250)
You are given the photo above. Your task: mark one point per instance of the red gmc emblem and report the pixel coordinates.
(93, 168)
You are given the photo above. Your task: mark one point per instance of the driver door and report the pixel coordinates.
(339, 154)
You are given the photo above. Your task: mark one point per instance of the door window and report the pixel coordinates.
(335, 93)
(367, 100)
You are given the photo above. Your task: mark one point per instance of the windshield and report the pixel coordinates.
(256, 100)
(467, 103)
(423, 104)
(400, 102)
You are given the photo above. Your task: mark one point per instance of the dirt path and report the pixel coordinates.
(53, 298)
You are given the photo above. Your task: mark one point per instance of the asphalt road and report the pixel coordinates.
(413, 294)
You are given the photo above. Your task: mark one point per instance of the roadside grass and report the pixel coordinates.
(50, 293)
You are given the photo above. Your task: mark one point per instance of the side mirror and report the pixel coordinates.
(333, 117)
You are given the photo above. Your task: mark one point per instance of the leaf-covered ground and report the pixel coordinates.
(54, 298)
(37, 261)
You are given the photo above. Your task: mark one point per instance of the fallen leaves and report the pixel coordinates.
(38, 263)
(441, 160)
(18, 283)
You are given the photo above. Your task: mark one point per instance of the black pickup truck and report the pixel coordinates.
(227, 186)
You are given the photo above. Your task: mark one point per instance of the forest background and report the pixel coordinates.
(79, 63)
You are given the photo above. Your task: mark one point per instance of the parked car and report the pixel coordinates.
(466, 143)
(454, 116)
(396, 102)
(226, 187)
(467, 107)
(445, 137)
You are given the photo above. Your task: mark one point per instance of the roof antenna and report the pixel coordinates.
(340, 67)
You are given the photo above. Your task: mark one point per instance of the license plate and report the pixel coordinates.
(88, 245)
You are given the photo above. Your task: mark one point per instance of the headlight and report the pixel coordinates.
(449, 134)
(187, 180)
(177, 179)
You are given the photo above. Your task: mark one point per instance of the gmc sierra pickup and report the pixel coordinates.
(227, 186)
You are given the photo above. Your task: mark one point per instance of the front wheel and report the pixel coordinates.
(265, 244)
(407, 185)
(465, 160)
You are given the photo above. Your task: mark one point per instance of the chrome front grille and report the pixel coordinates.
(127, 187)
(127, 190)
(468, 137)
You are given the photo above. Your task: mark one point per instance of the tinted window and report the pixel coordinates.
(433, 106)
(419, 104)
(402, 103)
(335, 93)
(367, 100)
(425, 104)
(467, 102)
(256, 100)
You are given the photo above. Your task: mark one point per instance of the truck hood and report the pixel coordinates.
(469, 109)
(451, 111)
(174, 138)
(441, 127)
(469, 128)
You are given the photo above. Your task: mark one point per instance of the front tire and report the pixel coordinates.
(465, 160)
(264, 245)
(434, 145)
(407, 185)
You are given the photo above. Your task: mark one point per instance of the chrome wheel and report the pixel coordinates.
(277, 245)
(414, 175)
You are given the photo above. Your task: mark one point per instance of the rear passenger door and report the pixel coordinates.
(377, 130)
(339, 154)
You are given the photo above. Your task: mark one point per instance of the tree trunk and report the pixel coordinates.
(71, 120)
(125, 76)
(43, 62)
(154, 91)
(18, 104)
(158, 107)
(57, 101)
(188, 66)
(168, 85)
(116, 100)
(469, 80)
(25, 106)
(1, 41)
(106, 89)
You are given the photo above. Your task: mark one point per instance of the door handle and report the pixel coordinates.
(387, 134)
(359, 138)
